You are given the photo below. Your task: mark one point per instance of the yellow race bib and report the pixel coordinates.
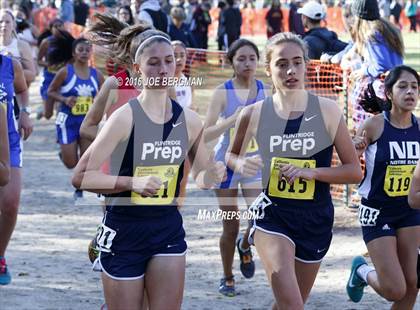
(166, 194)
(252, 145)
(54, 68)
(398, 180)
(300, 189)
(82, 105)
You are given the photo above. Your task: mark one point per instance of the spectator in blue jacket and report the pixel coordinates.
(377, 41)
(319, 39)
(380, 47)
(178, 30)
(67, 11)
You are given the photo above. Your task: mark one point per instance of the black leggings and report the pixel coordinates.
(413, 23)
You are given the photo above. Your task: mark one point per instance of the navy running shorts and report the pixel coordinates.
(128, 243)
(385, 221)
(308, 229)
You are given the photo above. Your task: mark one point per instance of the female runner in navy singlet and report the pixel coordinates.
(147, 140)
(391, 143)
(295, 132)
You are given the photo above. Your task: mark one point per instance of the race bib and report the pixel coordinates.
(166, 194)
(258, 206)
(104, 238)
(82, 105)
(252, 145)
(398, 180)
(53, 69)
(61, 118)
(368, 216)
(300, 189)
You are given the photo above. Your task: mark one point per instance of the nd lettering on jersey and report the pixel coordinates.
(404, 150)
(151, 151)
(399, 172)
(284, 144)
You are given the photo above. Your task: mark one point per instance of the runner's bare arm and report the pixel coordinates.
(42, 53)
(87, 174)
(27, 61)
(101, 78)
(349, 171)
(214, 129)
(414, 195)
(22, 98)
(205, 171)
(4, 148)
(102, 102)
(369, 131)
(57, 82)
(245, 129)
(193, 105)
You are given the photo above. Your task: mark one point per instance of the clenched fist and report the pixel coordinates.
(146, 186)
(249, 166)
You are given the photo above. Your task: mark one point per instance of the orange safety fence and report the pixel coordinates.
(42, 18)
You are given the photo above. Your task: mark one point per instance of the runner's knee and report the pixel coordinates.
(394, 291)
(10, 205)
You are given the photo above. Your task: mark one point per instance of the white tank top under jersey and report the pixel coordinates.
(183, 93)
(11, 49)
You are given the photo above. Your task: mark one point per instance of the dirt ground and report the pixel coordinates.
(50, 268)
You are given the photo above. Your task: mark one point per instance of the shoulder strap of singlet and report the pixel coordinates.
(138, 112)
(313, 104)
(176, 110)
(387, 117)
(414, 120)
(228, 84)
(94, 73)
(260, 86)
(70, 73)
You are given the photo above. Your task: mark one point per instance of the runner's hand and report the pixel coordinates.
(361, 142)
(215, 172)
(249, 166)
(291, 173)
(25, 126)
(146, 186)
(70, 101)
